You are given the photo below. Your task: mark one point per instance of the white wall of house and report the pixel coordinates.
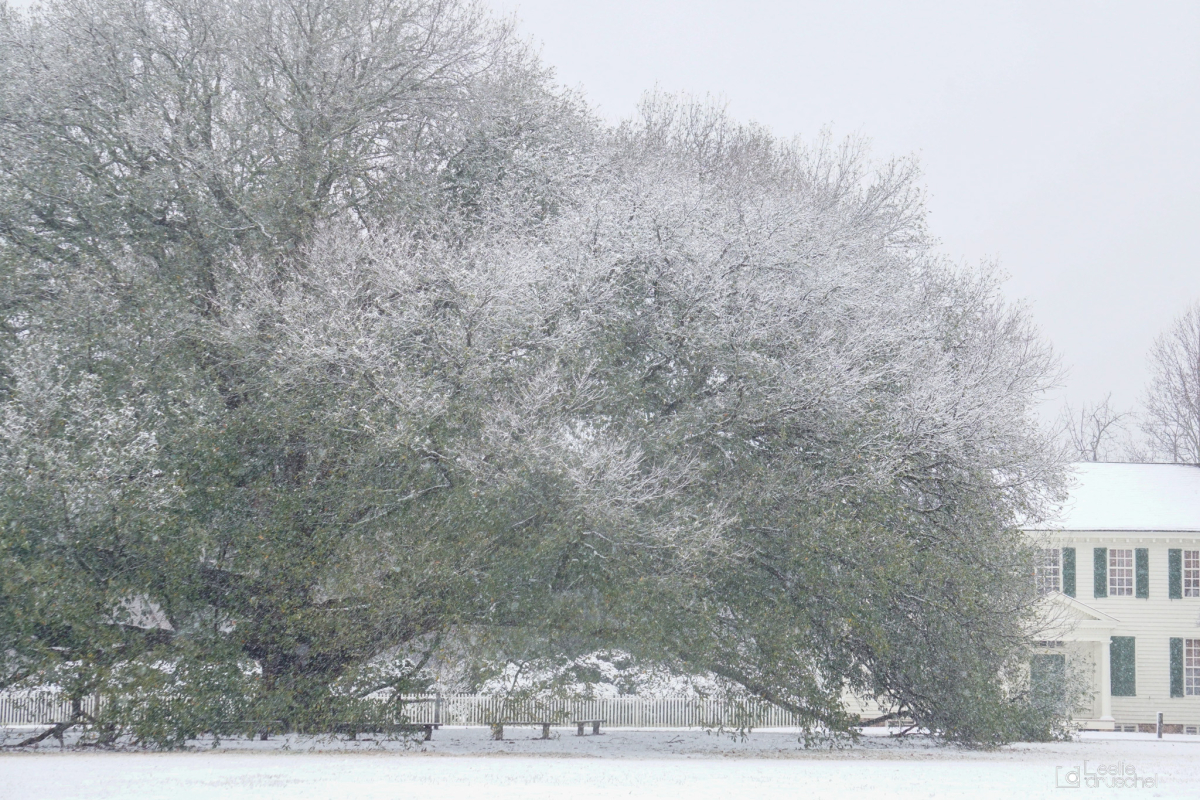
(1127, 507)
(1152, 622)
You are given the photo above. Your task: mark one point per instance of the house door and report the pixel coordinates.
(1048, 681)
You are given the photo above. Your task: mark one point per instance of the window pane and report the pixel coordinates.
(1191, 573)
(1048, 573)
(1120, 573)
(1191, 666)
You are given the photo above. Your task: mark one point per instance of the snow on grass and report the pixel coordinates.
(464, 762)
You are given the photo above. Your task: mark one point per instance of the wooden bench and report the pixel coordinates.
(262, 727)
(595, 723)
(413, 727)
(353, 729)
(498, 728)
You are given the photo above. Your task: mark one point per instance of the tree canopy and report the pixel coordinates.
(335, 328)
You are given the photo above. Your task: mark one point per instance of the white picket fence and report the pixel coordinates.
(43, 708)
(39, 708)
(620, 712)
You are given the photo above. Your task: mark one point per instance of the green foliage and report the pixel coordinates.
(162, 704)
(333, 327)
(165, 169)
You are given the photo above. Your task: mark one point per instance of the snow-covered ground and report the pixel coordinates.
(464, 762)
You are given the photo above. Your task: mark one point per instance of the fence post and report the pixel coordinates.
(1160, 724)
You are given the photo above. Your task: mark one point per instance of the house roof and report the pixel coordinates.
(1130, 497)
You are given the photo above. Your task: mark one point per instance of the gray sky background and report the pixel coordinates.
(1058, 138)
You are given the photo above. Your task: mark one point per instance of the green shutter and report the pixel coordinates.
(1141, 572)
(1176, 666)
(1100, 571)
(1175, 574)
(1068, 571)
(1124, 675)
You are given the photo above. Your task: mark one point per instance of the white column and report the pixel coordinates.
(1105, 679)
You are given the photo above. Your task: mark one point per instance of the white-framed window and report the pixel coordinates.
(1120, 573)
(1047, 573)
(1191, 667)
(1191, 573)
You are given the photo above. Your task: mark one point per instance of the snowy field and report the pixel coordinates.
(464, 762)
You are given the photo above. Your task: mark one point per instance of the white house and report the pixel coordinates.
(1121, 572)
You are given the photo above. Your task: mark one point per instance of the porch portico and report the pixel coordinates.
(1083, 635)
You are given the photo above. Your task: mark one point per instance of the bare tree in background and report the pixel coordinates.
(1094, 432)
(1172, 422)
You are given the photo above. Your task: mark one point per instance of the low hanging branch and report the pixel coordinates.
(57, 730)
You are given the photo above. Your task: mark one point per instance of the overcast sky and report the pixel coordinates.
(1060, 138)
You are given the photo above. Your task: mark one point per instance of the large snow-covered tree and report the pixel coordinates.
(333, 327)
(161, 163)
(846, 422)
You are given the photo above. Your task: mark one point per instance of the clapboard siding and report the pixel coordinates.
(1152, 621)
